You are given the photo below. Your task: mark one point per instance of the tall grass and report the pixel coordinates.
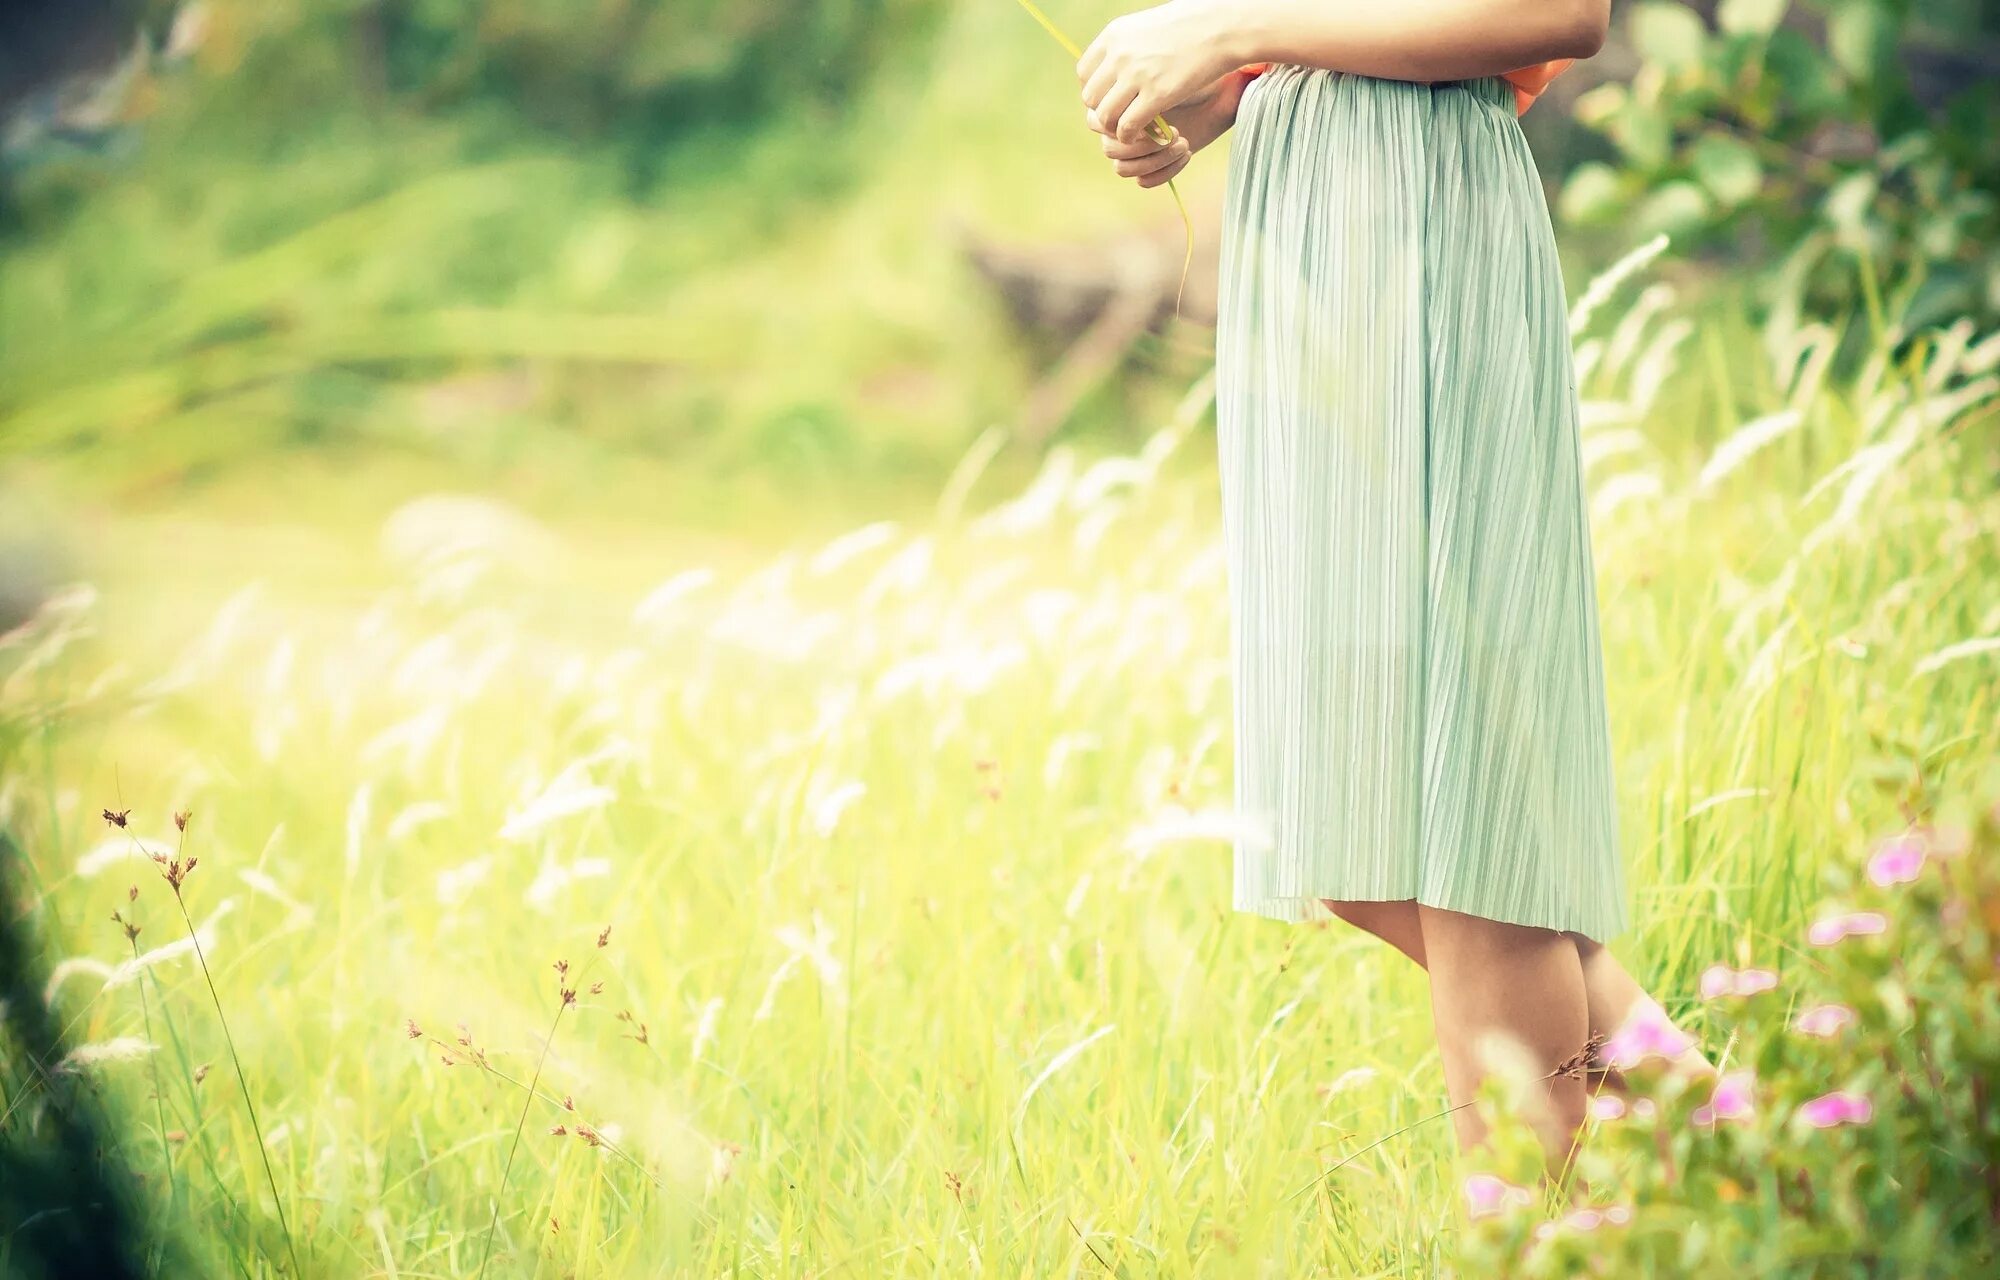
(904, 836)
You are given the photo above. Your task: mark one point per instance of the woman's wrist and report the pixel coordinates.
(1232, 28)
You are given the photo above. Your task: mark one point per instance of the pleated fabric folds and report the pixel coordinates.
(1419, 705)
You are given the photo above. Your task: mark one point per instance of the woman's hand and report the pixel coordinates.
(1149, 161)
(1148, 62)
(1194, 123)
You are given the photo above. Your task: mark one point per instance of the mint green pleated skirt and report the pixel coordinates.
(1419, 707)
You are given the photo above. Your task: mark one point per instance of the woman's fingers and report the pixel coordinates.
(1099, 84)
(1092, 58)
(1136, 117)
(1166, 173)
(1173, 155)
(1119, 149)
(1112, 108)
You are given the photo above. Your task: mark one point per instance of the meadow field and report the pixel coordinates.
(644, 904)
(559, 719)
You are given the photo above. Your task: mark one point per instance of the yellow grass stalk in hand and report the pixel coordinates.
(1161, 131)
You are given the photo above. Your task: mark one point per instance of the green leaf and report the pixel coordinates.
(1750, 17)
(1809, 85)
(1728, 168)
(1675, 209)
(1591, 196)
(1670, 35)
(1645, 135)
(1861, 36)
(1846, 205)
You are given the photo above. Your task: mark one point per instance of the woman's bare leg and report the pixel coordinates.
(1393, 922)
(1612, 993)
(1616, 995)
(1524, 984)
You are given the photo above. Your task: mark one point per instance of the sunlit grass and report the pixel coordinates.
(919, 961)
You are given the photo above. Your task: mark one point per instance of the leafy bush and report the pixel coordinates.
(643, 69)
(1829, 132)
(1853, 1129)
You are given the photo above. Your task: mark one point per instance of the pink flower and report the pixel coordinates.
(1721, 980)
(1896, 861)
(1824, 1020)
(1837, 1108)
(1644, 1108)
(1486, 1194)
(1618, 1215)
(1731, 1099)
(1606, 1106)
(1828, 930)
(1646, 1034)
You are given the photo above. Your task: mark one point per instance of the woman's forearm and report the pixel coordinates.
(1409, 39)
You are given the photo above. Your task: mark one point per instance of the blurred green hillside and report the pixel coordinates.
(504, 283)
(708, 261)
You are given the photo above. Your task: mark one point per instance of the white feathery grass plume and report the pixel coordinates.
(1870, 465)
(778, 978)
(183, 946)
(275, 708)
(300, 913)
(202, 655)
(1090, 530)
(1983, 357)
(420, 813)
(1103, 478)
(1724, 797)
(1956, 653)
(454, 884)
(1056, 1064)
(415, 737)
(570, 793)
(1038, 503)
(902, 573)
(61, 619)
(1751, 611)
(1596, 415)
(1658, 363)
(1176, 823)
(816, 947)
(118, 1049)
(1745, 443)
(1632, 329)
(1765, 664)
(1803, 370)
(827, 810)
(851, 545)
(76, 966)
(1589, 353)
(358, 808)
(1621, 490)
(1078, 894)
(119, 848)
(1606, 282)
(1043, 611)
(1352, 1078)
(1601, 445)
(657, 610)
(966, 472)
(554, 877)
(704, 1031)
(1066, 746)
(1947, 356)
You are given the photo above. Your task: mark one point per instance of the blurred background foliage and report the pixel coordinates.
(1833, 147)
(713, 241)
